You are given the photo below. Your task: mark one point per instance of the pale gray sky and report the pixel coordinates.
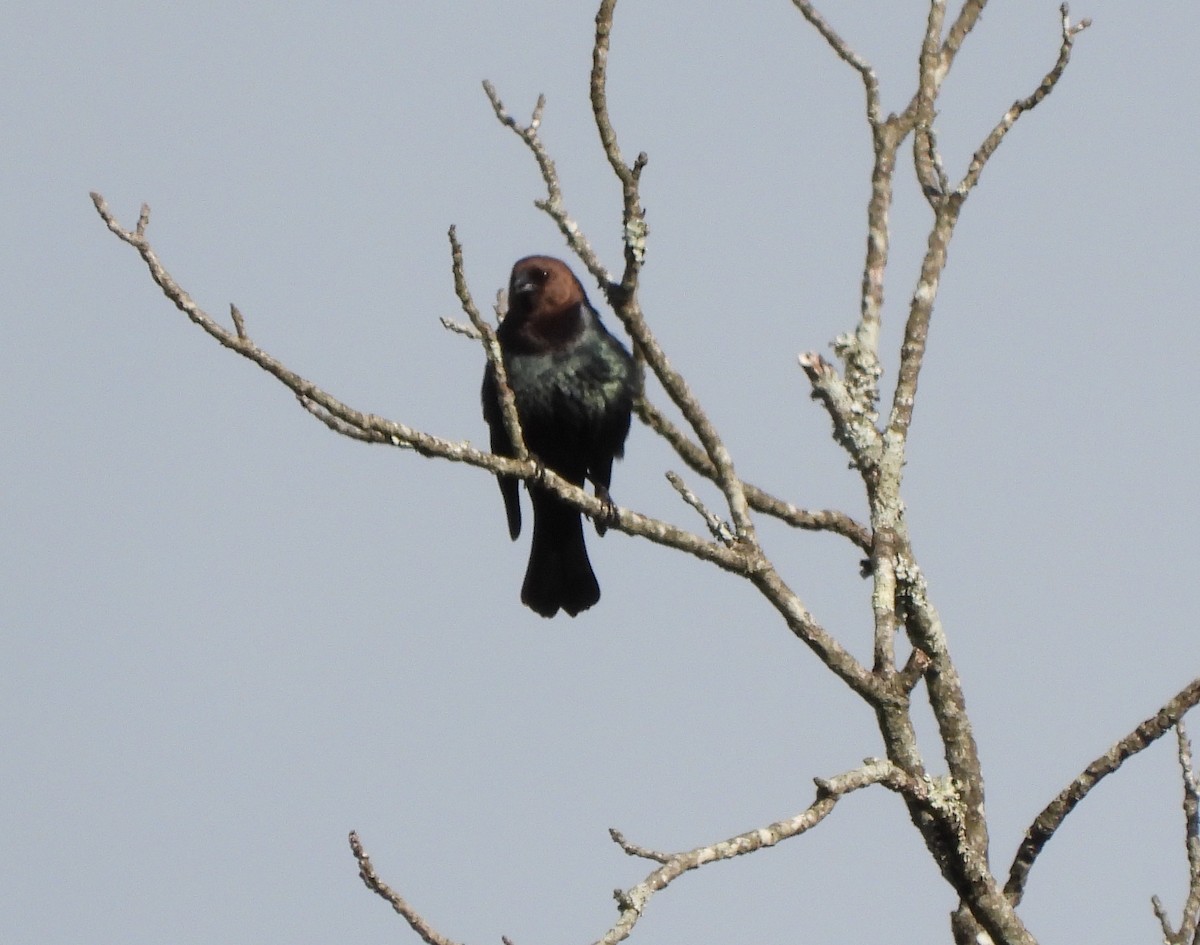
(229, 636)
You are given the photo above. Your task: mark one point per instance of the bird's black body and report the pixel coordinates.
(574, 386)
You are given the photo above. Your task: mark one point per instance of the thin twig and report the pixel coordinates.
(1190, 919)
(467, 331)
(634, 850)
(239, 323)
(1191, 813)
(823, 520)
(718, 528)
(553, 206)
(1021, 106)
(875, 690)
(340, 426)
(913, 671)
(847, 55)
(491, 347)
(371, 880)
(1169, 937)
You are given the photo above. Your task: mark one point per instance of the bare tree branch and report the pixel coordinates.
(883, 602)
(239, 323)
(928, 85)
(860, 352)
(928, 159)
(1189, 929)
(719, 529)
(825, 520)
(913, 671)
(371, 880)
(376, 429)
(967, 17)
(553, 205)
(624, 300)
(467, 331)
(1164, 920)
(632, 902)
(623, 296)
(340, 426)
(491, 348)
(820, 520)
(1050, 819)
(898, 585)
(847, 55)
(634, 850)
(1021, 106)
(944, 687)
(1189, 924)
(745, 559)
(853, 427)
(946, 699)
(633, 215)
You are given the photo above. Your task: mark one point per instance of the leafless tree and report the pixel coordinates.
(911, 655)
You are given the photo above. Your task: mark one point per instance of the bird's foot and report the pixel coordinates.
(608, 514)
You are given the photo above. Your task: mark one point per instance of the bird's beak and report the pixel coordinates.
(523, 285)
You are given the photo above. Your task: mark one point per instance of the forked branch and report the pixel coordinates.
(632, 902)
(343, 419)
(1049, 820)
(1189, 924)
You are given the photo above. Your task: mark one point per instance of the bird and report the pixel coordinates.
(574, 385)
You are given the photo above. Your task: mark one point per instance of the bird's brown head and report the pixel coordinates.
(545, 305)
(544, 285)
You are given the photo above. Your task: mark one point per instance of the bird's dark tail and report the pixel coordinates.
(559, 574)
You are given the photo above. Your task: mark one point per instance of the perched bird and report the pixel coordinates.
(574, 386)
